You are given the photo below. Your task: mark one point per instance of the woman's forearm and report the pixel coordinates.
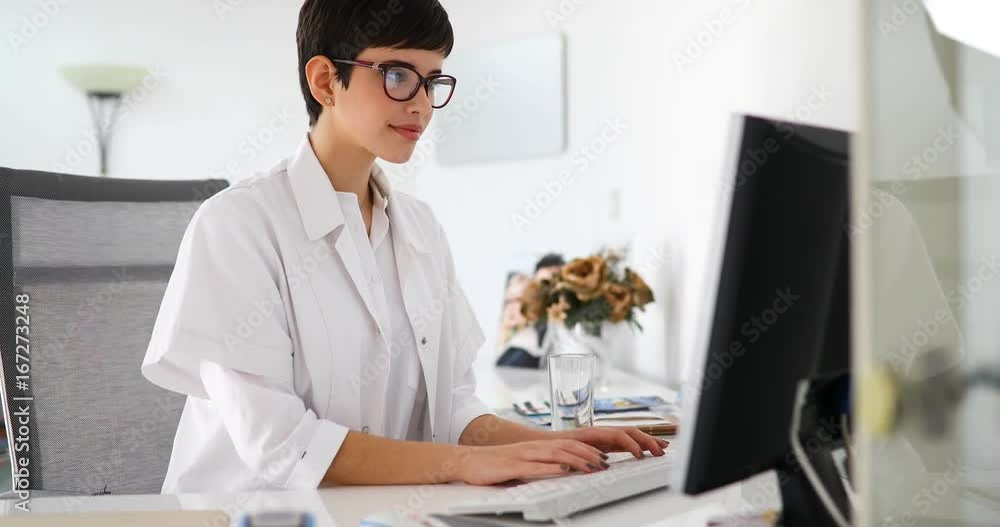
(490, 430)
(365, 459)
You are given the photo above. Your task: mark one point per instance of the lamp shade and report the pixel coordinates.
(104, 78)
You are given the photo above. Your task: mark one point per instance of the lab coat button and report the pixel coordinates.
(423, 340)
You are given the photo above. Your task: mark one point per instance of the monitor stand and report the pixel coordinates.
(801, 505)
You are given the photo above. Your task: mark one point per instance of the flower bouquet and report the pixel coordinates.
(582, 299)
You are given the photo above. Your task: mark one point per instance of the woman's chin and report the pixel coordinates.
(397, 155)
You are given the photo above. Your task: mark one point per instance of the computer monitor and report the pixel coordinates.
(779, 316)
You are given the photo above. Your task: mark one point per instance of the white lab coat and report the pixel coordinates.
(269, 288)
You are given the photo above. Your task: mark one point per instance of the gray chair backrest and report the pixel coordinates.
(84, 262)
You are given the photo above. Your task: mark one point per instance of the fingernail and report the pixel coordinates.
(591, 467)
(605, 465)
(565, 468)
(603, 455)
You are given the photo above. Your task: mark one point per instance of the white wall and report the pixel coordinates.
(224, 77)
(766, 58)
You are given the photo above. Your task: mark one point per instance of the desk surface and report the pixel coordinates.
(346, 506)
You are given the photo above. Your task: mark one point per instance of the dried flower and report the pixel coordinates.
(587, 291)
(585, 277)
(620, 299)
(641, 293)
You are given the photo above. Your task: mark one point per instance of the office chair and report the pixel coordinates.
(84, 262)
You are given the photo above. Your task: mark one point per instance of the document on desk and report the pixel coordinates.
(649, 422)
(630, 418)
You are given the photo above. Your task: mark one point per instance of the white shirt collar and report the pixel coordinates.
(320, 209)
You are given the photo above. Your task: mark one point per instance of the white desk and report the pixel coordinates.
(346, 506)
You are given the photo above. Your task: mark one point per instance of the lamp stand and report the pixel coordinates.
(103, 111)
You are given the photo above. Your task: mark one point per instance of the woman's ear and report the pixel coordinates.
(321, 75)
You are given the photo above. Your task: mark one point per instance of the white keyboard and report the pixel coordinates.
(559, 497)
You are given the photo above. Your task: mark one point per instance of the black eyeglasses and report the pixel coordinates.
(401, 83)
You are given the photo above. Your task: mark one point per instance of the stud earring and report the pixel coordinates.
(329, 101)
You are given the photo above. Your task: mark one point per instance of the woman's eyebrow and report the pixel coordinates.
(407, 64)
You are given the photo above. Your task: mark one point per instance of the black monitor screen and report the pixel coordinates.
(781, 308)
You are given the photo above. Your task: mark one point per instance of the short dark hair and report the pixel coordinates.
(342, 29)
(550, 260)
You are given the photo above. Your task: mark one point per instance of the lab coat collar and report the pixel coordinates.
(320, 209)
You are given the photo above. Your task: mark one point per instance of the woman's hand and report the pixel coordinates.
(488, 465)
(617, 439)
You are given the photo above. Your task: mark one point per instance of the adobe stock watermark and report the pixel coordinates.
(417, 496)
(755, 158)
(932, 494)
(753, 330)
(563, 12)
(101, 474)
(267, 308)
(255, 143)
(32, 25)
(80, 151)
(198, 196)
(358, 39)
(87, 311)
(713, 29)
(922, 162)
(654, 259)
(759, 494)
(915, 168)
(455, 115)
(269, 471)
(901, 13)
(223, 8)
(374, 368)
(553, 188)
(926, 498)
(900, 359)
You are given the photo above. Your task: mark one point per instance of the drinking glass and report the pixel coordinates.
(571, 390)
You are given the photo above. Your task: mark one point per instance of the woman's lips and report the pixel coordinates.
(412, 135)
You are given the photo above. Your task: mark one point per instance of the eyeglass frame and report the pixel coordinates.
(423, 83)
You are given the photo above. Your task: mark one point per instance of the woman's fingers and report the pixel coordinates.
(579, 459)
(645, 441)
(558, 453)
(585, 451)
(626, 442)
(529, 469)
(585, 446)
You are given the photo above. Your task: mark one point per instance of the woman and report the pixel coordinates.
(313, 317)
